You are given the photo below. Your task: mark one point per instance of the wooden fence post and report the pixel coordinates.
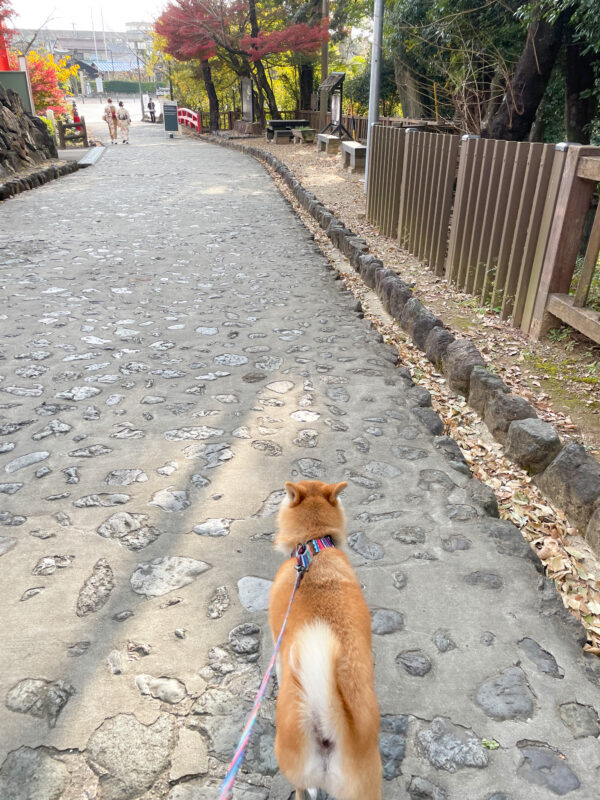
(572, 204)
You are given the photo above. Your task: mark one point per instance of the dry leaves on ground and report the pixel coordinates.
(566, 556)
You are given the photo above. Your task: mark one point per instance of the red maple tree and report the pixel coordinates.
(300, 38)
(231, 32)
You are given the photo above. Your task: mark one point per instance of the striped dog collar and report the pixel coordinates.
(304, 553)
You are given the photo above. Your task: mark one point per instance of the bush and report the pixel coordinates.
(50, 127)
(128, 87)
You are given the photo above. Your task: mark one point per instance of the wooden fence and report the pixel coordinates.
(425, 200)
(488, 214)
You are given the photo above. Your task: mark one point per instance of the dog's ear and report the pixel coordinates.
(294, 492)
(335, 489)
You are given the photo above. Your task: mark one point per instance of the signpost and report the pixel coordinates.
(333, 84)
(170, 117)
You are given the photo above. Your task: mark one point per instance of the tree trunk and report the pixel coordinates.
(516, 113)
(307, 78)
(213, 100)
(262, 81)
(579, 76)
(536, 134)
(412, 106)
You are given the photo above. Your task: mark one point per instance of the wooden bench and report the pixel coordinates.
(284, 125)
(354, 156)
(303, 134)
(328, 144)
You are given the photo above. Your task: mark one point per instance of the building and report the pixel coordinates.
(99, 54)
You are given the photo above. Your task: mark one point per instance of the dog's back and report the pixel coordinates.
(327, 713)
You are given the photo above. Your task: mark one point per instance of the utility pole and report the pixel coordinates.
(375, 79)
(94, 34)
(139, 78)
(324, 72)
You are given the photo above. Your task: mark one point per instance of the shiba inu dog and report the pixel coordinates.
(327, 712)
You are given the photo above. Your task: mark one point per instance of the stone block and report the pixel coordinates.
(356, 248)
(448, 446)
(484, 496)
(532, 443)
(400, 294)
(430, 420)
(482, 385)
(436, 344)
(412, 308)
(423, 325)
(386, 287)
(380, 277)
(501, 409)
(369, 270)
(325, 219)
(592, 533)
(572, 480)
(458, 362)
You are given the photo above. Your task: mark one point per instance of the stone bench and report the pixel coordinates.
(284, 125)
(281, 136)
(328, 144)
(354, 156)
(303, 134)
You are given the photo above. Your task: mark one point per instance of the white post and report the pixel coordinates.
(375, 79)
(24, 68)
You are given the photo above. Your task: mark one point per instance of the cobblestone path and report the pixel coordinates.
(173, 348)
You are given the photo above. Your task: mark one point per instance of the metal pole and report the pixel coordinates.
(139, 79)
(324, 72)
(375, 79)
(94, 34)
(104, 34)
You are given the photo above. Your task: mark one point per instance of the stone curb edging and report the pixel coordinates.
(566, 474)
(21, 183)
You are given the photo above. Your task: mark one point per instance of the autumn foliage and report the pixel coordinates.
(49, 79)
(196, 29)
(299, 38)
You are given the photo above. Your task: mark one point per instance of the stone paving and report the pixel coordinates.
(173, 348)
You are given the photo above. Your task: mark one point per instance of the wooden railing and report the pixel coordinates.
(501, 220)
(71, 132)
(579, 181)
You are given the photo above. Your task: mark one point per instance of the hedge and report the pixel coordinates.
(128, 87)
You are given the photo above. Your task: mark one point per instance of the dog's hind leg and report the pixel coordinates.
(301, 794)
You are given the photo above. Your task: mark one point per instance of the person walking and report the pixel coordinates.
(110, 117)
(151, 109)
(124, 121)
(76, 117)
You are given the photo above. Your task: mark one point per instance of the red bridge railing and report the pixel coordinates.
(189, 118)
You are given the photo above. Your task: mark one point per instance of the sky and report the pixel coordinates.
(64, 14)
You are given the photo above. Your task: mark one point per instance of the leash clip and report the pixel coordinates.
(303, 558)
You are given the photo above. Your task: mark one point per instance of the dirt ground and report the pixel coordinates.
(559, 376)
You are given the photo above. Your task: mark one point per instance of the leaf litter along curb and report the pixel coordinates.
(566, 556)
(562, 370)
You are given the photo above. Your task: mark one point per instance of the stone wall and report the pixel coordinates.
(24, 139)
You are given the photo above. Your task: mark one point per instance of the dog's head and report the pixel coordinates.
(310, 510)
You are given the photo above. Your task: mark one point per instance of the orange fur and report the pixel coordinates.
(333, 722)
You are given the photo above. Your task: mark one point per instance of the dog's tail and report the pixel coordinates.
(314, 660)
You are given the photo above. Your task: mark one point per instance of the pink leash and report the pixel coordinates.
(238, 757)
(304, 557)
